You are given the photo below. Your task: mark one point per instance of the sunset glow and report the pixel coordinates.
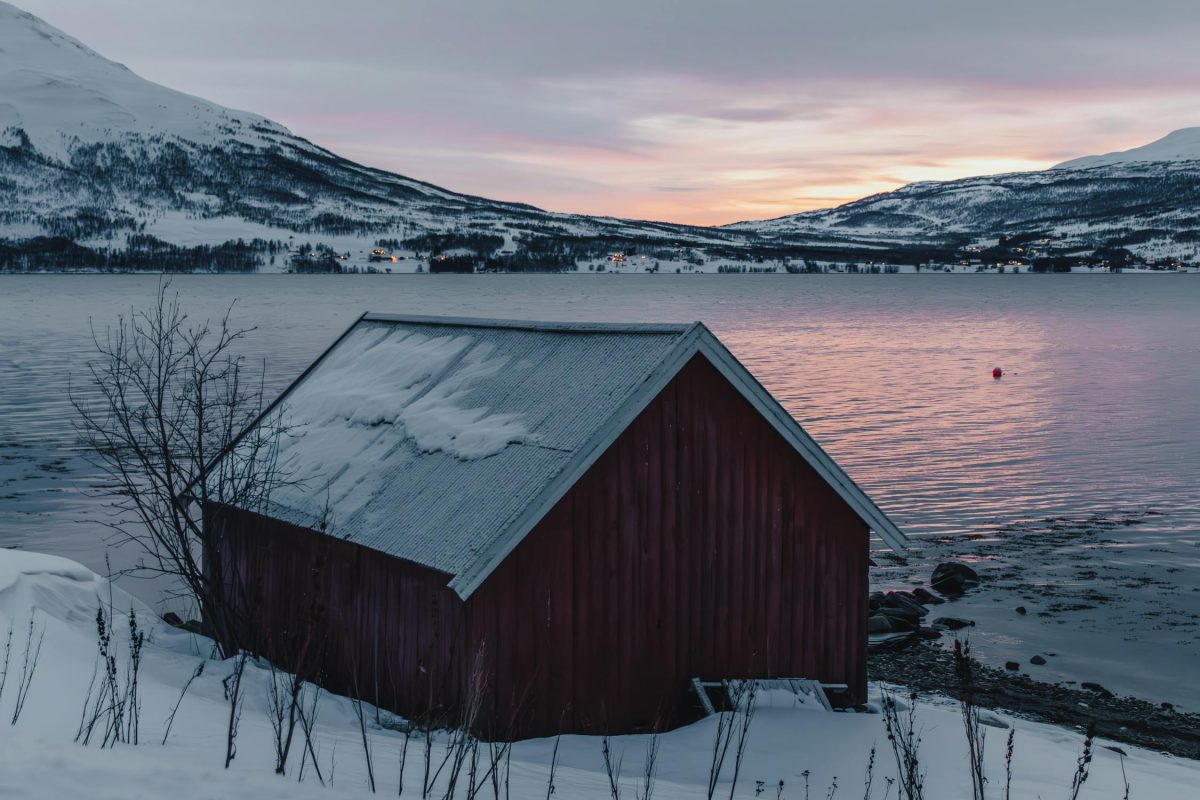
(700, 112)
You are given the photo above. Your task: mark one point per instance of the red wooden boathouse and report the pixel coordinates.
(567, 522)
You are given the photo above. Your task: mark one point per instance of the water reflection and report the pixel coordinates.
(1097, 408)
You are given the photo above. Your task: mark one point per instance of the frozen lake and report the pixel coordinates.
(1098, 412)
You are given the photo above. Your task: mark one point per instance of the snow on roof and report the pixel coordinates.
(444, 441)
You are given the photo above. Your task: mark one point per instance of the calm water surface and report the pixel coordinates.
(1098, 410)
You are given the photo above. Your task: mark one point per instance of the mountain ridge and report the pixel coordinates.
(1145, 200)
(91, 152)
(1177, 146)
(93, 155)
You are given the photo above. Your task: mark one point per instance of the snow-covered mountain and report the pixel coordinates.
(94, 153)
(93, 156)
(1146, 200)
(1179, 146)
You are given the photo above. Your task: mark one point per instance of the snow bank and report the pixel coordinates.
(787, 742)
(57, 587)
(18, 567)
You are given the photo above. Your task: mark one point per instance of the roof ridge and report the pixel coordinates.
(533, 325)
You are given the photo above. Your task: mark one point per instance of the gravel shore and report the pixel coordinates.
(928, 668)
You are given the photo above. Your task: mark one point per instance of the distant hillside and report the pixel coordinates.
(101, 168)
(1146, 200)
(92, 153)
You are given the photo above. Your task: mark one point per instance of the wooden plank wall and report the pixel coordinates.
(369, 625)
(701, 544)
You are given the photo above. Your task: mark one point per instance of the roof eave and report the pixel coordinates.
(812, 452)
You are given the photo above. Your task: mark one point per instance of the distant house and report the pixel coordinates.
(566, 522)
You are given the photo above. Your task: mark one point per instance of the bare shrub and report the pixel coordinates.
(29, 664)
(1008, 757)
(870, 778)
(408, 730)
(649, 770)
(233, 693)
(366, 743)
(111, 705)
(972, 727)
(462, 744)
(745, 700)
(473, 771)
(91, 703)
(132, 701)
(426, 778)
(731, 726)
(905, 740)
(283, 692)
(7, 656)
(612, 767)
(500, 753)
(308, 719)
(164, 398)
(196, 673)
(553, 767)
(1083, 765)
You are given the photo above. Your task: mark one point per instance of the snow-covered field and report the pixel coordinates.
(39, 757)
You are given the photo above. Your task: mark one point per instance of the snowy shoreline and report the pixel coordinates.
(902, 269)
(789, 742)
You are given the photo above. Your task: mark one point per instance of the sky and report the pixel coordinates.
(694, 111)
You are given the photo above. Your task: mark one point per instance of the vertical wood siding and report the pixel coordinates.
(700, 544)
(381, 629)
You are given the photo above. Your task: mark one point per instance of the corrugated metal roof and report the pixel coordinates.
(444, 441)
(390, 490)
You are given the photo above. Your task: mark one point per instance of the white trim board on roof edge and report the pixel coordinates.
(527, 325)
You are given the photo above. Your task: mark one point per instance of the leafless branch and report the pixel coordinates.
(233, 693)
(162, 415)
(171, 719)
(29, 666)
(905, 740)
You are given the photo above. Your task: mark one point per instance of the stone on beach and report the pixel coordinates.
(954, 623)
(954, 578)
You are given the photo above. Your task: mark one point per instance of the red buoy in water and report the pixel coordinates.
(997, 372)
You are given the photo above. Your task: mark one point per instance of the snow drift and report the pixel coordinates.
(789, 741)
